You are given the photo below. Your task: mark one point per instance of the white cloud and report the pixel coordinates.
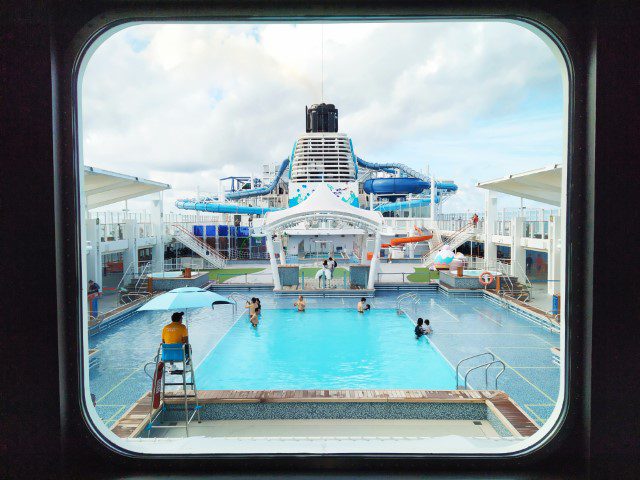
(186, 104)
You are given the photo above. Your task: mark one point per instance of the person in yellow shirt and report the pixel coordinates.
(176, 331)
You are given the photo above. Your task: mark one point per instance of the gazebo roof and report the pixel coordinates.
(323, 204)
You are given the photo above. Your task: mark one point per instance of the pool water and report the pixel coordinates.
(331, 346)
(325, 349)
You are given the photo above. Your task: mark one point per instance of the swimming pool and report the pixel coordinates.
(464, 325)
(325, 348)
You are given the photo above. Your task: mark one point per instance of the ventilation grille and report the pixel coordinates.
(323, 157)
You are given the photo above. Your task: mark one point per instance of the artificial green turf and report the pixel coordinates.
(224, 274)
(423, 275)
(310, 272)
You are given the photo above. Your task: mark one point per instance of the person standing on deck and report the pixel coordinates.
(332, 266)
(93, 287)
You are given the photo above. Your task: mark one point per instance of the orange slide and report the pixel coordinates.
(401, 241)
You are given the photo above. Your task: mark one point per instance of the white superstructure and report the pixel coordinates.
(323, 157)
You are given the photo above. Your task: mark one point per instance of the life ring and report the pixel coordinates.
(485, 278)
(156, 387)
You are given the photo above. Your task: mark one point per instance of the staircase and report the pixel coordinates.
(200, 248)
(459, 237)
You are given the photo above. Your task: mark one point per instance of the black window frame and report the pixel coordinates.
(86, 27)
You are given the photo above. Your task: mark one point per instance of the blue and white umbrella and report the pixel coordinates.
(186, 298)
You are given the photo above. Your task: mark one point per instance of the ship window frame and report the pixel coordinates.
(96, 30)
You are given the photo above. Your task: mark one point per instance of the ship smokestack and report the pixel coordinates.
(322, 117)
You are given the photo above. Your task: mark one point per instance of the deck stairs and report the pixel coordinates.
(133, 285)
(200, 248)
(458, 238)
(510, 285)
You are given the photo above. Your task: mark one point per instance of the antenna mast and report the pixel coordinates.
(322, 63)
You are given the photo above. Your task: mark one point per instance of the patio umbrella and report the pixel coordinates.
(186, 298)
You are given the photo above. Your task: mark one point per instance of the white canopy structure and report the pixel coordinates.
(322, 204)
(102, 187)
(541, 185)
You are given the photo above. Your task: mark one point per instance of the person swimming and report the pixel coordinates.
(363, 305)
(301, 304)
(427, 327)
(419, 330)
(254, 309)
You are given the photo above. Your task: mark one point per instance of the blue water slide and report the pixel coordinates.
(392, 206)
(255, 192)
(395, 186)
(410, 172)
(223, 208)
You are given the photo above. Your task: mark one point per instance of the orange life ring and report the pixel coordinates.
(485, 278)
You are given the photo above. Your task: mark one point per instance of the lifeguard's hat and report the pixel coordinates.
(177, 316)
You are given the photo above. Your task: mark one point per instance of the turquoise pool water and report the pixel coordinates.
(389, 356)
(325, 348)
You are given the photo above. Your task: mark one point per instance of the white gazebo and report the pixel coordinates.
(323, 204)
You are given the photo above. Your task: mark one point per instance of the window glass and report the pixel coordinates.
(324, 237)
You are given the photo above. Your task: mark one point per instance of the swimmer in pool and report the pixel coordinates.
(363, 305)
(301, 304)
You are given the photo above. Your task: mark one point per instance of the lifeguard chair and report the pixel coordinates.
(175, 354)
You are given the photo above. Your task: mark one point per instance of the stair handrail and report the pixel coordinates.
(142, 274)
(121, 283)
(493, 357)
(200, 244)
(463, 230)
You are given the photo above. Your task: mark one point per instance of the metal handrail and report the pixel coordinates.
(407, 296)
(493, 357)
(235, 295)
(466, 229)
(486, 373)
(142, 274)
(124, 276)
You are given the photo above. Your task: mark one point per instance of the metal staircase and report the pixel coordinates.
(200, 248)
(459, 237)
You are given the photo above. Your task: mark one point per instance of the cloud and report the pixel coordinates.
(186, 104)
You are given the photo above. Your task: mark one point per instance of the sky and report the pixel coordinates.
(186, 104)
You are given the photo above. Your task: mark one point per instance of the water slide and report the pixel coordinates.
(223, 208)
(392, 206)
(395, 186)
(378, 186)
(394, 242)
(410, 172)
(256, 192)
(404, 185)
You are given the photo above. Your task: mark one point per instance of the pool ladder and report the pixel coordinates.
(237, 296)
(486, 366)
(407, 297)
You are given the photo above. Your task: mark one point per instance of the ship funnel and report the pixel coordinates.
(322, 117)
